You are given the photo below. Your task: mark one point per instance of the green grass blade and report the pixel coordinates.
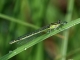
(39, 39)
(68, 17)
(17, 21)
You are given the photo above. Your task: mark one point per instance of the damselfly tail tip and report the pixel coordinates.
(12, 42)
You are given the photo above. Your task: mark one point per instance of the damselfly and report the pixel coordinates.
(48, 27)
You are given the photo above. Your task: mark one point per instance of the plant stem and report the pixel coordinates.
(66, 33)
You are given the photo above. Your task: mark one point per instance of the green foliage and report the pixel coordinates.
(18, 17)
(39, 39)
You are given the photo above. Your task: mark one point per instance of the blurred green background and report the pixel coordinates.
(18, 17)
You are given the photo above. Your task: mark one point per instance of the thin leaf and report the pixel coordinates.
(39, 39)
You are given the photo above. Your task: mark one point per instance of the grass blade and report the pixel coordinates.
(39, 39)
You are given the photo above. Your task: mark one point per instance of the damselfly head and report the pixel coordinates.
(59, 22)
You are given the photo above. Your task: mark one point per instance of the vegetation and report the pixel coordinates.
(18, 17)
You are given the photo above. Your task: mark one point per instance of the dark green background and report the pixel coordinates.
(18, 17)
